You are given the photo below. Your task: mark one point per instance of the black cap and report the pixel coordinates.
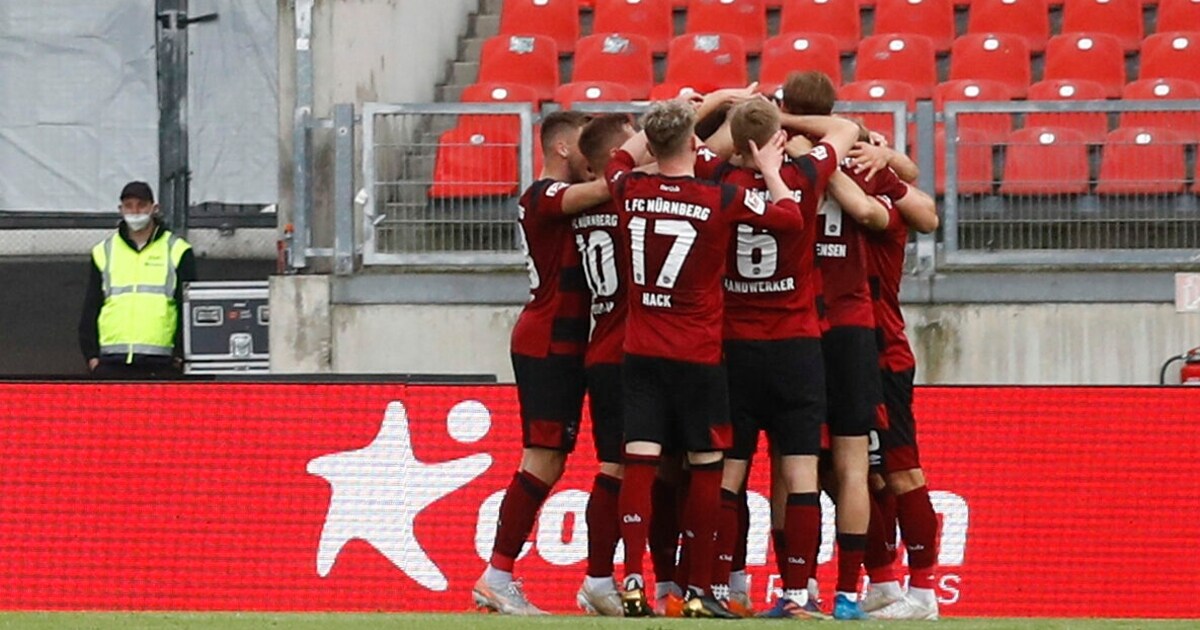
(137, 190)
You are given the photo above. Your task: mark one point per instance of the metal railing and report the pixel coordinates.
(1066, 188)
(442, 188)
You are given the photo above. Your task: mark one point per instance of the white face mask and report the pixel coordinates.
(136, 222)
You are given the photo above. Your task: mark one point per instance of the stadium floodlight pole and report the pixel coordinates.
(174, 171)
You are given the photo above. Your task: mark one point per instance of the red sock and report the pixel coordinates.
(634, 508)
(739, 551)
(802, 527)
(851, 548)
(664, 529)
(604, 528)
(816, 550)
(699, 526)
(779, 542)
(919, 525)
(727, 527)
(518, 511)
(881, 538)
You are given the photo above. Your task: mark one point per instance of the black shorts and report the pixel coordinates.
(668, 401)
(777, 387)
(853, 391)
(604, 401)
(899, 438)
(550, 391)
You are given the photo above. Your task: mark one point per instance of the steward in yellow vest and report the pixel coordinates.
(131, 325)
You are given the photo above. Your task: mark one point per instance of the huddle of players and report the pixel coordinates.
(747, 284)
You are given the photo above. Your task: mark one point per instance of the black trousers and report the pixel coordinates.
(136, 371)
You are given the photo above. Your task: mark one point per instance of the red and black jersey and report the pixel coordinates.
(842, 260)
(770, 275)
(597, 236)
(885, 259)
(676, 232)
(555, 321)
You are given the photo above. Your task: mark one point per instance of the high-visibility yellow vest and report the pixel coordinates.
(139, 312)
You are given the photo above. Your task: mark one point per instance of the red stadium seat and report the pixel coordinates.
(1092, 125)
(556, 19)
(992, 127)
(838, 18)
(471, 163)
(591, 91)
(1028, 18)
(496, 125)
(707, 61)
(616, 58)
(786, 54)
(664, 91)
(1185, 124)
(746, 19)
(905, 58)
(1096, 57)
(1142, 160)
(931, 18)
(651, 19)
(867, 91)
(519, 59)
(1178, 15)
(1045, 161)
(1171, 56)
(974, 159)
(984, 56)
(1121, 19)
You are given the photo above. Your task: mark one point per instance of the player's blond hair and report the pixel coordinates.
(669, 126)
(756, 120)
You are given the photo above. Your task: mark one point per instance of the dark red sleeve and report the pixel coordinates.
(619, 167)
(746, 206)
(707, 163)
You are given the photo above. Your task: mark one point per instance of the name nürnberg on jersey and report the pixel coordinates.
(782, 285)
(659, 205)
(595, 221)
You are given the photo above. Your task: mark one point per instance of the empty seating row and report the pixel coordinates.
(653, 19)
(707, 61)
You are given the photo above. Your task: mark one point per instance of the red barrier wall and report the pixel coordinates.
(1055, 501)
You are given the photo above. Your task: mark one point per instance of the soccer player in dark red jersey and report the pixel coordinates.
(597, 235)
(854, 392)
(548, 345)
(678, 231)
(773, 346)
(905, 497)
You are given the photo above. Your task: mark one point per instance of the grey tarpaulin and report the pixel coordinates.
(79, 104)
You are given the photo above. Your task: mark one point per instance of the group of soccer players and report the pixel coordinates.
(701, 292)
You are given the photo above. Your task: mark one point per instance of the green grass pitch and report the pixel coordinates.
(244, 621)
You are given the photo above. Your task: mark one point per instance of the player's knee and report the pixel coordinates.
(905, 481)
(704, 458)
(643, 449)
(877, 482)
(612, 469)
(545, 464)
(734, 475)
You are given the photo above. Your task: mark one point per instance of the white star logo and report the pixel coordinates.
(378, 491)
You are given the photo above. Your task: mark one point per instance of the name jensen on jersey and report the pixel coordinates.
(595, 220)
(659, 205)
(782, 285)
(831, 250)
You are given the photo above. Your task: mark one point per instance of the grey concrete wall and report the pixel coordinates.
(393, 51)
(1032, 344)
(301, 333)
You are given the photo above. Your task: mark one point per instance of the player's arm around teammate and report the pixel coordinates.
(548, 346)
